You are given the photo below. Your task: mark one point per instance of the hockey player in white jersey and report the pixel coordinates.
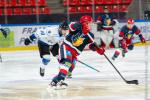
(48, 42)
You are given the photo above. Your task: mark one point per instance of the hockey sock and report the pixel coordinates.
(116, 54)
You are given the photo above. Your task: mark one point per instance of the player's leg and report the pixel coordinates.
(130, 47)
(54, 50)
(45, 56)
(65, 59)
(72, 68)
(116, 54)
(110, 39)
(107, 37)
(103, 39)
(122, 48)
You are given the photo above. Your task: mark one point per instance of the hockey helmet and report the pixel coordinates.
(130, 21)
(64, 25)
(86, 18)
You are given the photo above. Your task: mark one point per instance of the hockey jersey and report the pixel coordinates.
(76, 39)
(49, 35)
(128, 34)
(103, 24)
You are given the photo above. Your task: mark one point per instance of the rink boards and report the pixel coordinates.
(18, 32)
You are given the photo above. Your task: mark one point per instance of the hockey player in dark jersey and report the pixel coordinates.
(105, 30)
(126, 37)
(74, 43)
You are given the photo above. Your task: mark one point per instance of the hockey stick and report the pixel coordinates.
(128, 82)
(88, 65)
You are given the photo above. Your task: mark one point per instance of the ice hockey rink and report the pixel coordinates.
(20, 79)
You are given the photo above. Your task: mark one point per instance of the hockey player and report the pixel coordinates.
(74, 43)
(126, 37)
(48, 41)
(3, 32)
(105, 29)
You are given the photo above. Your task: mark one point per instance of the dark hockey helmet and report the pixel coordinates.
(64, 25)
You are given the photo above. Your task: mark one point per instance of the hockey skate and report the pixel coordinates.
(42, 71)
(58, 85)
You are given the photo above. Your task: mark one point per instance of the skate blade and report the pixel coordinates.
(69, 77)
(53, 88)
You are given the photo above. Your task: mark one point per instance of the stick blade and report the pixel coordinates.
(133, 82)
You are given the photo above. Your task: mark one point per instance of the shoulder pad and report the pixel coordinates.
(73, 26)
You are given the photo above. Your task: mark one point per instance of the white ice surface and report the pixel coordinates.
(20, 79)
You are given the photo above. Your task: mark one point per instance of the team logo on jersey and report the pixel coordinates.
(77, 39)
(129, 35)
(78, 42)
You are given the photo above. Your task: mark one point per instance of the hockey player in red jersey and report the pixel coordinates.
(74, 43)
(126, 37)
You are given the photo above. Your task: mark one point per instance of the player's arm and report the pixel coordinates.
(3, 32)
(138, 32)
(94, 47)
(30, 39)
(74, 26)
(78, 27)
(99, 23)
(114, 22)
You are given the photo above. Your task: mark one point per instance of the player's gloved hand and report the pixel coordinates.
(142, 38)
(128, 41)
(27, 41)
(100, 51)
(85, 28)
(4, 33)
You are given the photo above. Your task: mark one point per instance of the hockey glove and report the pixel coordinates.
(142, 38)
(27, 41)
(4, 33)
(100, 51)
(94, 47)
